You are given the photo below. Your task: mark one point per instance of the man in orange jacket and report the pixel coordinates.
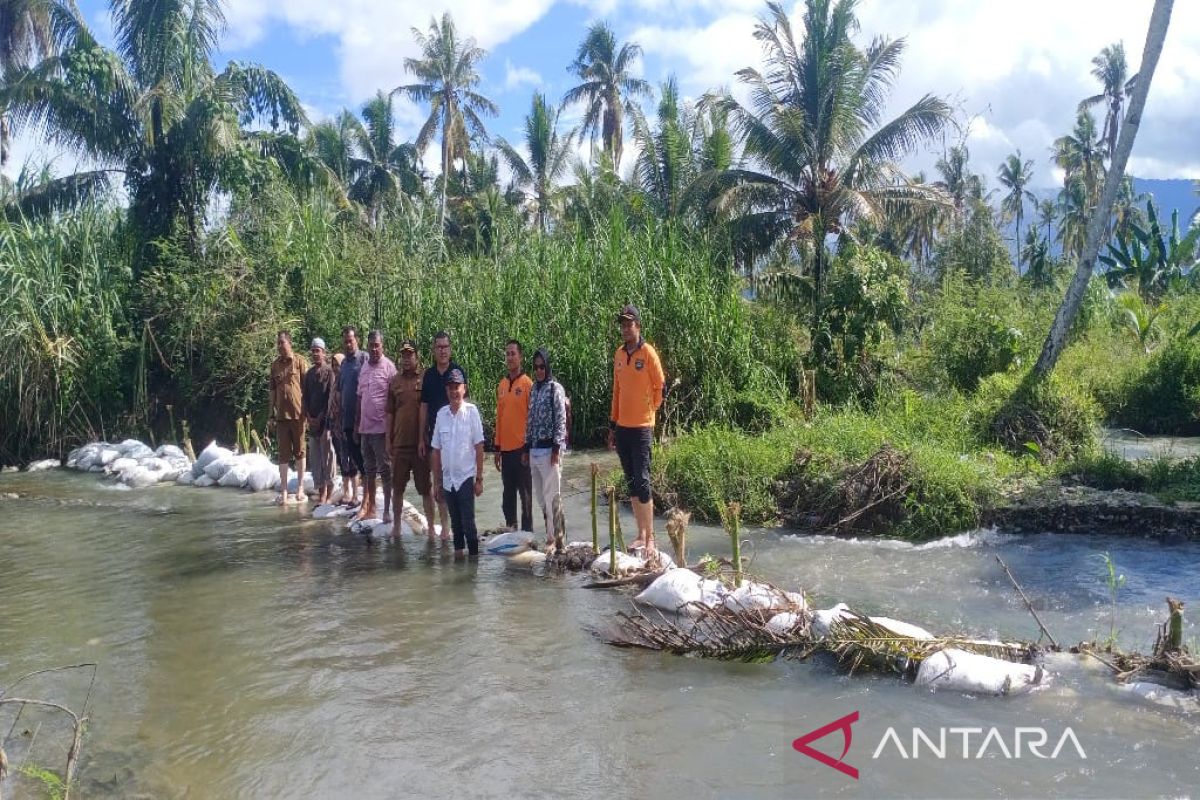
(637, 395)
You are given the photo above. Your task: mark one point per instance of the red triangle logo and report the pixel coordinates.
(843, 724)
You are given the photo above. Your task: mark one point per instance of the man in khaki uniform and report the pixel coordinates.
(404, 434)
(287, 414)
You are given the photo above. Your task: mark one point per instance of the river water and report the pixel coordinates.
(246, 651)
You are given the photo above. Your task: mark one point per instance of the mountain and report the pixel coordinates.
(1170, 195)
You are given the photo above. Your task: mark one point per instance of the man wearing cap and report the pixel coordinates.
(404, 436)
(374, 378)
(287, 414)
(457, 460)
(316, 396)
(512, 414)
(637, 395)
(433, 399)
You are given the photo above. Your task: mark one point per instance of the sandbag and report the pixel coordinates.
(508, 544)
(217, 469)
(203, 481)
(678, 589)
(121, 464)
(415, 519)
(625, 564)
(528, 559)
(128, 444)
(107, 456)
(902, 628)
(364, 526)
(184, 478)
(263, 477)
(1164, 696)
(43, 465)
(140, 477)
(138, 451)
(961, 671)
(824, 619)
(308, 482)
(207, 456)
(782, 624)
(169, 452)
(752, 596)
(235, 477)
(86, 457)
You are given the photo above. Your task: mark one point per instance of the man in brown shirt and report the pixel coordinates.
(287, 414)
(404, 433)
(317, 398)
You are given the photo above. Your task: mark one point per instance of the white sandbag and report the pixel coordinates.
(138, 451)
(1162, 695)
(752, 596)
(107, 456)
(262, 477)
(783, 623)
(902, 628)
(184, 478)
(217, 469)
(415, 519)
(528, 559)
(508, 544)
(121, 464)
(86, 457)
(330, 511)
(235, 477)
(625, 564)
(676, 589)
(364, 526)
(140, 477)
(204, 481)
(128, 444)
(207, 456)
(154, 462)
(309, 487)
(169, 452)
(961, 671)
(43, 465)
(824, 619)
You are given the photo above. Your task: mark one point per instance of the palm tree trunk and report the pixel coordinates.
(1160, 20)
(445, 169)
(1018, 242)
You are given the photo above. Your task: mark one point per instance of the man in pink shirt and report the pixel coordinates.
(373, 381)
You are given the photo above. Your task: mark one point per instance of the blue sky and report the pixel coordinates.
(1015, 82)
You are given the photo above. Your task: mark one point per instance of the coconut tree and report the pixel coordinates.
(1047, 211)
(26, 37)
(383, 170)
(154, 110)
(814, 130)
(665, 166)
(448, 74)
(1111, 70)
(1015, 174)
(1080, 154)
(549, 155)
(963, 187)
(608, 86)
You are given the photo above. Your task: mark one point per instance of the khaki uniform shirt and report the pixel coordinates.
(287, 376)
(404, 409)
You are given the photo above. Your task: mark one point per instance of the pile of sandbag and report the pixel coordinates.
(134, 463)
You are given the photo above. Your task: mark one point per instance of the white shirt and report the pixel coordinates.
(455, 436)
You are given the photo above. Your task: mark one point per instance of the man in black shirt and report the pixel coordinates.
(433, 397)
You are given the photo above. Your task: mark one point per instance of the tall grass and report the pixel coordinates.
(65, 285)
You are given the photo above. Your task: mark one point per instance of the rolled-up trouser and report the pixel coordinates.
(353, 453)
(547, 489)
(320, 458)
(376, 458)
(461, 504)
(517, 479)
(633, 448)
(289, 439)
(405, 462)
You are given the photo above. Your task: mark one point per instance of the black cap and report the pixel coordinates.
(408, 344)
(630, 312)
(455, 376)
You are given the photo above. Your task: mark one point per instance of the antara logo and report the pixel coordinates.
(975, 743)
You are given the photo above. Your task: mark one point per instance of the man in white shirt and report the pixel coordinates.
(457, 462)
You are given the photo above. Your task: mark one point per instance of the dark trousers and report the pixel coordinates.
(461, 503)
(354, 457)
(633, 448)
(517, 479)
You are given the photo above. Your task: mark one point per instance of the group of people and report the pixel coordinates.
(357, 410)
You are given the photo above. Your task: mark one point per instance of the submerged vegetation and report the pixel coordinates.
(838, 334)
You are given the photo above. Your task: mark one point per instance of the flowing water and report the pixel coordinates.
(246, 651)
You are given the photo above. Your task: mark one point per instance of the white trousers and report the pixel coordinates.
(547, 492)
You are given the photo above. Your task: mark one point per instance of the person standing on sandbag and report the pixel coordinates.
(457, 460)
(374, 378)
(317, 394)
(512, 413)
(637, 395)
(337, 435)
(405, 435)
(287, 414)
(352, 361)
(545, 441)
(433, 399)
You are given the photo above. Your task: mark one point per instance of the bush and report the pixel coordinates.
(1052, 419)
(975, 331)
(1163, 396)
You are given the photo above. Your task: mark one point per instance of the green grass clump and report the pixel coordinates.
(1050, 420)
(1163, 395)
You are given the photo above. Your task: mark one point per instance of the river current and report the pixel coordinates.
(247, 651)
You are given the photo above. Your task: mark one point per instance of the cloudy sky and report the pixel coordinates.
(1015, 68)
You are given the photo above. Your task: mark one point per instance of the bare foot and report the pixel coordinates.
(301, 498)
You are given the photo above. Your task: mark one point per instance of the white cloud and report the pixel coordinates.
(515, 76)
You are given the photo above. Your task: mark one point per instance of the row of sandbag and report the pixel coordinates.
(684, 591)
(219, 466)
(134, 463)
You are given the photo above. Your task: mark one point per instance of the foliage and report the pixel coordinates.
(607, 88)
(1163, 396)
(973, 331)
(974, 249)
(1050, 419)
(1148, 259)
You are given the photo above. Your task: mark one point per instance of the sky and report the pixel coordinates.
(1015, 69)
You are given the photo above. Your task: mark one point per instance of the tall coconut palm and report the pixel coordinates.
(1075, 208)
(963, 187)
(548, 159)
(666, 164)
(26, 37)
(1080, 154)
(448, 74)
(1112, 71)
(814, 129)
(1047, 211)
(1015, 174)
(608, 87)
(384, 169)
(153, 110)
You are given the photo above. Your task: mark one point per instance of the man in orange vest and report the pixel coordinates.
(512, 414)
(637, 394)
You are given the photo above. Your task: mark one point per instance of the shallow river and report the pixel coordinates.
(245, 651)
